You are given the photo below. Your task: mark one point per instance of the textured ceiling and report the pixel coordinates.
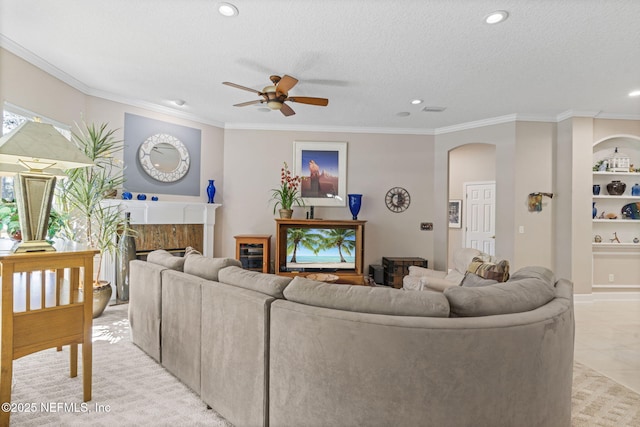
(370, 58)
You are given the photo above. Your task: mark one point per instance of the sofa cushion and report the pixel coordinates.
(207, 267)
(269, 284)
(498, 271)
(166, 259)
(537, 272)
(514, 296)
(367, 299)
(472, 280)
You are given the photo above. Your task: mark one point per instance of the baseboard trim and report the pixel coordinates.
(606, 296)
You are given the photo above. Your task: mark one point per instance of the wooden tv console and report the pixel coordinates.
(354, 277)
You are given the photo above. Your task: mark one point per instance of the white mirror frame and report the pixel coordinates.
(144, 155)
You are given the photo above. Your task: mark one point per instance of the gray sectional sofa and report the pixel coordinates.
(265, 350)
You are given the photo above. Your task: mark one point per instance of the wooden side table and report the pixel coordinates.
(65, 321)
(253, 251)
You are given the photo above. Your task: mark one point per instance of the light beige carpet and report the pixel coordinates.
(140, 392)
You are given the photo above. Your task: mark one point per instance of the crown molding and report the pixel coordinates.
(35, 60)
(333, 129)
(154, 107)
(476, 124)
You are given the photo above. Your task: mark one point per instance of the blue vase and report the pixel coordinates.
(142, 197)
(127, 195)
(596, 189)
(355, 202)
(211, 191)
(594, 210)
(635, 190)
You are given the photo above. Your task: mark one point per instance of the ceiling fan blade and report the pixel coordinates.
(286, 110)
(309, 100)
(244, 104)
(285, 84)
(242, 87)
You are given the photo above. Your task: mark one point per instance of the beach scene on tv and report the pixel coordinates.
(319, 173)
(322, 248)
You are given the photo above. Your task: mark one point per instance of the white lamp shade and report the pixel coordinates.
(40, 145)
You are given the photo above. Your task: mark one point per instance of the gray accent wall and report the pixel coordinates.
(136, 130)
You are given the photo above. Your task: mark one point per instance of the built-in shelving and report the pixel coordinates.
(615, 264)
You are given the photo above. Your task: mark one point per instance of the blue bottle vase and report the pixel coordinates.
(355, 202)
(594, 210)
(211, 191)
(635, 190)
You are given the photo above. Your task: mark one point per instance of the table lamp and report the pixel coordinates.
(28, 150)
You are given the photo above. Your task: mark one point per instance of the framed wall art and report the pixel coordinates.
(455, 213)
(322, 167)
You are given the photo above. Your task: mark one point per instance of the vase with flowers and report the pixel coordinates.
(287, 194)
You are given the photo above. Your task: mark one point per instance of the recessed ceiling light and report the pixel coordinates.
(403, 114)
(227, 9)
(416, 101)
(496, 17)
(635, 93)
(179, 102)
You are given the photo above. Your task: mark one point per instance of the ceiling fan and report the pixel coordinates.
(277, 93)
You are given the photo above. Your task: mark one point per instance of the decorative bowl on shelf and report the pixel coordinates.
(631, 210)
(323, 277)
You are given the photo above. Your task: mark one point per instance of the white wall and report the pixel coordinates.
(534, 173)
(376, 162)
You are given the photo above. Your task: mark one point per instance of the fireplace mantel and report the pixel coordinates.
(150, 212)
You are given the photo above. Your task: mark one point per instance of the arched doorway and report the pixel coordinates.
(468, 164)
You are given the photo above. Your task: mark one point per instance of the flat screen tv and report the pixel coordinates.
(321, 249)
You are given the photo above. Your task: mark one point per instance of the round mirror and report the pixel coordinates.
(164, 157)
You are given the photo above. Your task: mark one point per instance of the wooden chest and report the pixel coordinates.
(396, 268)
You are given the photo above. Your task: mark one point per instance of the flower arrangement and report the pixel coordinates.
(287, 195)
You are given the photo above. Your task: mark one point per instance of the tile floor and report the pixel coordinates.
(608, 339)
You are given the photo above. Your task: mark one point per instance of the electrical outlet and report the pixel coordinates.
(426, 226)
(611, 277)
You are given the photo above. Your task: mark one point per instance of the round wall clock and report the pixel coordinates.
(397, 199)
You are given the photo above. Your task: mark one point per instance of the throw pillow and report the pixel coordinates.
(489, 270)
(207, 267)
(472, 280)
(269, 284)
(191, 251)
(166, 259)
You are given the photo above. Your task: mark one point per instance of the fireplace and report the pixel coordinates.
(165, 225)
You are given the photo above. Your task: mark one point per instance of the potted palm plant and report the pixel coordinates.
(81, 194)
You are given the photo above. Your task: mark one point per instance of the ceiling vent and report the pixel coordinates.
(434, 109)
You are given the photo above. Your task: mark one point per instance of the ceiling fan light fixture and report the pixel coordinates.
(496, 17)
(274, 105)
(227, 9)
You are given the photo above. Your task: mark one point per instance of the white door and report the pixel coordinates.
(480, 223)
